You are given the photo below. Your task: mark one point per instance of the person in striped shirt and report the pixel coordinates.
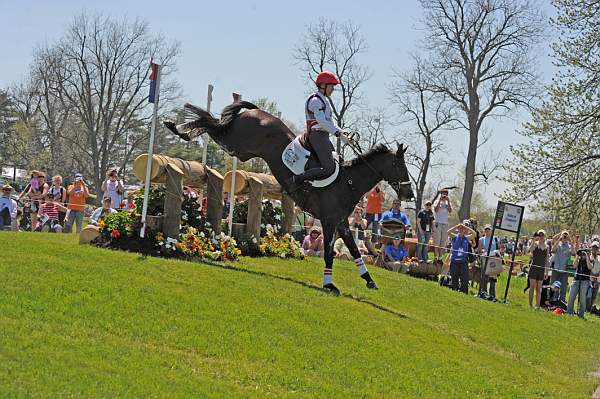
(48, 220)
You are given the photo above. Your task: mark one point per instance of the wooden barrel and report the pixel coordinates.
(271, 187)
(194, 172)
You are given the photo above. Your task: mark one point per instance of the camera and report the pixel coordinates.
(582, 252)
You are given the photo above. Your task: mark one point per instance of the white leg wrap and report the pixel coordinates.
(362, 268)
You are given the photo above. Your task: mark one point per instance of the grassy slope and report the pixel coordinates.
(80, 321)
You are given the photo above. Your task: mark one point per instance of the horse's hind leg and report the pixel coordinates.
(328, 237)
(346, 234)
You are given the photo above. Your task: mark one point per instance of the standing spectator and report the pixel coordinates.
(425, 229)
(313, 242)
(36, 191)
(459, 264)
(375, 200)
(78, 193)
(540, 256)
(442, 209)
(59, 194)
(48, 216)
(396, 213)
(562, 249)
(581, 282)
(484, 242)
(8, 209)
(594, 275)
(113, 188)
(99, 213)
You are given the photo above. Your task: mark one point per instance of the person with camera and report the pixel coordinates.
(462, 239)
(594, 277)
(78, 193)
(374, 208)
(113, 188)
(581, 282)
(540, 255)
(562, 249)
(442, 209)
(425, 229)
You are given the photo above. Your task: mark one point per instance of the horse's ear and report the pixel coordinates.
(401, 150)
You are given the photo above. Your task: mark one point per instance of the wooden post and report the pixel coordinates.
(173, 200)
(214, 193)
(287, 207)
(255, 198)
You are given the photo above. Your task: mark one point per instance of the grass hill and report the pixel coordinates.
(77, 321)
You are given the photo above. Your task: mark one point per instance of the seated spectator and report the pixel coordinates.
(313, 243)
(48, 217)
(357, 223)
(8, 209)
(341, 251)
(113, 188)
(396, 213)
(551, 295)
(394, 253)
(99, 213)
(78, 193)
(129, 203)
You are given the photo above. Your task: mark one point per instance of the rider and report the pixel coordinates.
(319, 125)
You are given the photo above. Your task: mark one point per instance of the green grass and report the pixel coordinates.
(77, 321)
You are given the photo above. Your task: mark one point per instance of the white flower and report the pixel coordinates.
(171, 240)
(262, 225)
(282, 255)
(254, 240)
(168, 246)
(277, 217)
(202, 234)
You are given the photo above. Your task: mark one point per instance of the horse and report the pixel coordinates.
(246, 131)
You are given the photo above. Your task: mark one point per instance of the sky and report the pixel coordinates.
(247, 46)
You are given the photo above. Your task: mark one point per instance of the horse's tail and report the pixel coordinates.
(204, 121)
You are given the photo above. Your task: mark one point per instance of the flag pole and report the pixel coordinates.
(206, 136)
(154, 97)
(236, 99)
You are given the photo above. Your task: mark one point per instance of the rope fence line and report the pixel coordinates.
(447, 251)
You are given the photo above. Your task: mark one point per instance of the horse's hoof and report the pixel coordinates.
(332, 289)
(371, 285)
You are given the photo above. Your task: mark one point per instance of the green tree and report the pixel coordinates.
(558, 167)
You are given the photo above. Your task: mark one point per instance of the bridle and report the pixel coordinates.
(395, 185)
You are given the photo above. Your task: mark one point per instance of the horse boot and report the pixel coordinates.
(332, 289)
(370, 283)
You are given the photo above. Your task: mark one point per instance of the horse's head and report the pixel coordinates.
(398, 176)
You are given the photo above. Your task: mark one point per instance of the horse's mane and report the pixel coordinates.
(368, 156)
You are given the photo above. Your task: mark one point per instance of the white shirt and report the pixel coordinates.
(11, 204)
(96, 214)
(441, 215)
(323, 117)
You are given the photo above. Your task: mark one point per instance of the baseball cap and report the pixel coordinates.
(596, 244)
(557, 284)
(487, 227)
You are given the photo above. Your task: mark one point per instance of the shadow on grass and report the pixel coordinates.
(301, 283)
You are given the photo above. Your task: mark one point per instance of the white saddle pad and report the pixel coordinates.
(295, 157)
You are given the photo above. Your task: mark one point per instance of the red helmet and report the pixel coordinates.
(327, 78)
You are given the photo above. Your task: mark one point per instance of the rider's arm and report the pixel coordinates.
(316, 106)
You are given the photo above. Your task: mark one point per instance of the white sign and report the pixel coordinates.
(508, 217)
(11, 172)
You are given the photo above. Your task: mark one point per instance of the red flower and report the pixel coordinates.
(115, 233)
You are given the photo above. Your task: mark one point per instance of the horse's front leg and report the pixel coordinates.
(329, 238)
(346, 234)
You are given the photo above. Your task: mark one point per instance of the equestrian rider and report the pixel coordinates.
(319, 125)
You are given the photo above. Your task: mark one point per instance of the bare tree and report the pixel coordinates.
(482, 59)
(336, 47)
(428, 114)
(98, 73)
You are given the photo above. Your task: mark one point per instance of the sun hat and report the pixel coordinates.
(315, 229)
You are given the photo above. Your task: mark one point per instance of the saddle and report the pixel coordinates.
(298, 157)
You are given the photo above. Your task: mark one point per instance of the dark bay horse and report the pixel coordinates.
(255, 133)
